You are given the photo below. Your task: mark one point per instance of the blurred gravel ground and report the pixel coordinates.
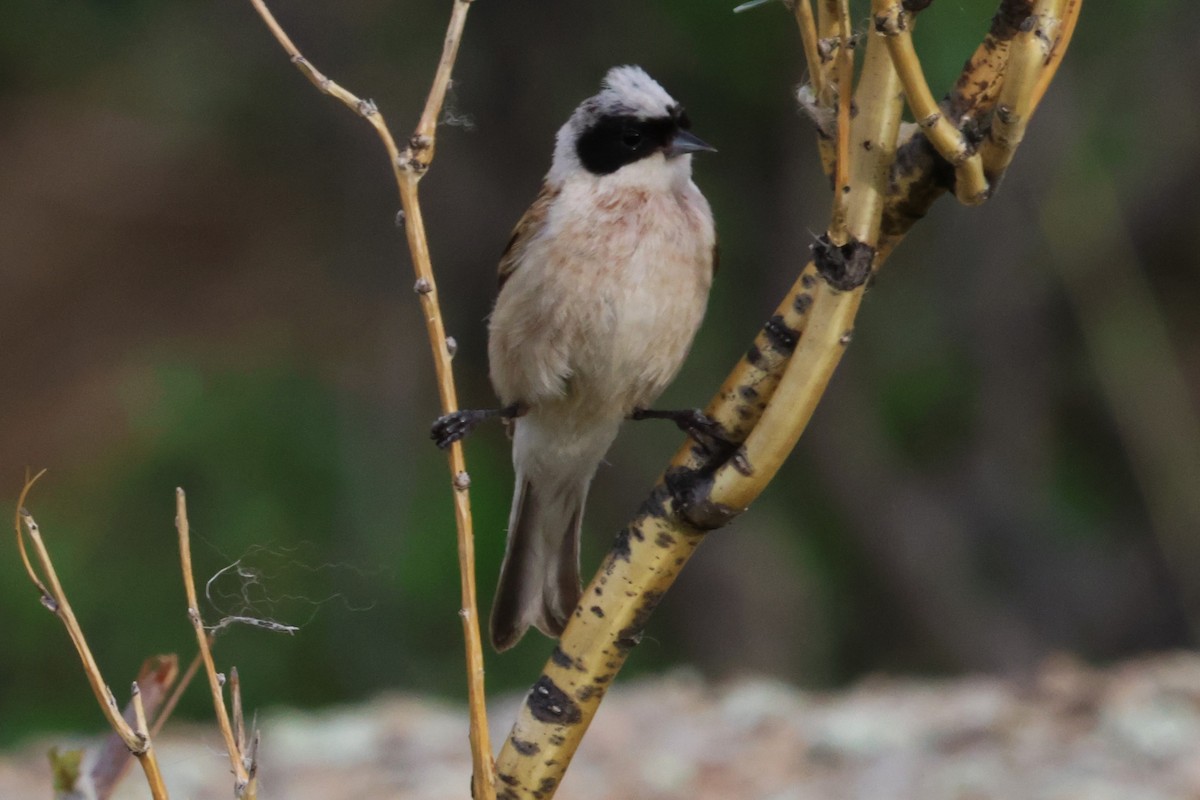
(1131, 731)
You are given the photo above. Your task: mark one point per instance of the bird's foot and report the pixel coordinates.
(454, 427)
(703, 429)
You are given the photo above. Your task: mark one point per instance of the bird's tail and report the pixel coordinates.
(539, 580)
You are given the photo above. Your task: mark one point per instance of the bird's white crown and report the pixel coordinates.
(630, 91)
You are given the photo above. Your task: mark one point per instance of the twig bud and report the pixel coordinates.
(422, 286)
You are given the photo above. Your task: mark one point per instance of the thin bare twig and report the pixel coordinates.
(54, 598)
(112, 759)
(823, 41)
(29, 570)
(139, 713)
(805, 20)
(844, 75)
(244, 786)
(235, 701)
(828, 30)
(408, 167)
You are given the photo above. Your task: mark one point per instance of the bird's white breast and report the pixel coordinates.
(603, 308)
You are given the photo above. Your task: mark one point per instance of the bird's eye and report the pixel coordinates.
(631, 138)
(683, 121)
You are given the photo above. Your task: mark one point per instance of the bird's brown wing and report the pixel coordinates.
(529, 226)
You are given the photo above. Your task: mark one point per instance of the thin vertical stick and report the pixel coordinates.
(844, 73)
(241, 777)
(481, 748)
(808, 37)
(408, 167)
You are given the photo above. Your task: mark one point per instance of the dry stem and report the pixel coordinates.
(808, 36)
(139, 713)
(408, 167)
(156, 677)
(844, 75)
(244, 784)
(54, 598)
(826, 43)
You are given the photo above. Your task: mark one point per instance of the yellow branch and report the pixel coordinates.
(1069, 15)
(816, 98)
(971, 100)
(895, 24)
(1027, 57)
(831, 320)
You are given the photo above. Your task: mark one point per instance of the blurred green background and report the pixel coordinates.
(203, 287)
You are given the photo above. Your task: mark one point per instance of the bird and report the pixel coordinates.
(603, 286)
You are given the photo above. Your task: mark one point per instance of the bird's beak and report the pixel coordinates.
(687, 142)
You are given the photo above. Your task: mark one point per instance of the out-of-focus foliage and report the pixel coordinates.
(203, 286)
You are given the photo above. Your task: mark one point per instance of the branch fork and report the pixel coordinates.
(408, 167)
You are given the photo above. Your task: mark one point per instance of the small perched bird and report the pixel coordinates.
(602, 288)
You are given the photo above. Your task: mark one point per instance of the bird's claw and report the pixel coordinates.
(698, 425)
(709, 434)
(704, 430)
(453, 427)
